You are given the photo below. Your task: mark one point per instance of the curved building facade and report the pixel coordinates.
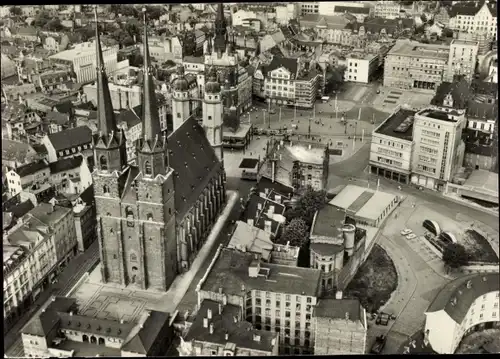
(464, 305)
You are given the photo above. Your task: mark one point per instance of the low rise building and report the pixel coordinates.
(27, 177)
(361, 67)
(462, 60)
(70, 175)
(340, 326)
(392, 146)
(411, 64)
(266, 213)
(439, 149)
(16, 153)
(69, 143)
(387, 9)
(464, 305)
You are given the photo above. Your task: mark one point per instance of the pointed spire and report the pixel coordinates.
(151, 128)
(105, 114)
(220, 30)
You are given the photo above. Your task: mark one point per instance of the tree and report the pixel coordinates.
(447, 32)
(455, 256)
(41, 19)
(54, 25)
(16, 11)
(334, 78)
(295, 233)
(154, 12)
(307, 205)
(136, 59)
(133, 28)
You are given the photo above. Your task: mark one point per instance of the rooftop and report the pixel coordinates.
(66, 164)
(261, 209)
(455, 298)
(31, 168)
(48, 214)
(70, 138)
(483, 179)
(71, 54)
(393, 127)
(328, 222)
(246, 237)
(15, 150)
(231, 273)
(347, 309)
(240, 333)
(437, 115)
(421, 50)
(249, 163)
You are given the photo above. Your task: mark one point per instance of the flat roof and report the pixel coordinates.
(249, 163)
(230, 272)
(71, 54)
(304, 154)
(347, 196)
(361, 201)
(437, 115)
(376, 205)
(418, 49)
(328, 222)
(391, 126)
(483, 179)
(346, 309)
(249, 238)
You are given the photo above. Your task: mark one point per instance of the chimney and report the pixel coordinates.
(71, 313)
(346, 316)
(338, 295)
(224, 300)
(209, 313)
(256, 338)
(205, 323)
(235, 319)
(271, 209)
(310, 146)
(259, 206)
(121, 321)
(220, 309)
(469, 284)
(220, 290)
(250, 221)
(211, 328)
(267, 226)
(226, 336)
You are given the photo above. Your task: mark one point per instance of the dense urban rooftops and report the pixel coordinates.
(417, 49)
(394, 127)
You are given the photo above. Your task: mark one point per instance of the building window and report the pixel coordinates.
(147, 168)
(150, 216)
(104, 163)
(133, 257)
(105, 189)
(130, 216)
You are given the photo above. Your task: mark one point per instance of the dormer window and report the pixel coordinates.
(105, 189)
(130, 216)
(147, 168)
(104, 163)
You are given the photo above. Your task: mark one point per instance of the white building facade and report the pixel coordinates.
(462, 59)
(482, 21)
(360, 67)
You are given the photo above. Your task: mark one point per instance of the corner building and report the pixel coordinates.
(153, 216)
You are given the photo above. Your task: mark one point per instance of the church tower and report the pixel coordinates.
(220, 31)
(180, 99)
(212, 114)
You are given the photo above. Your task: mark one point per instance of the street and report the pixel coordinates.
(70, 275)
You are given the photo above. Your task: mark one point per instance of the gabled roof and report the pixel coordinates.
(64, 107)
(44, 322)
(31, 168)
(57, 118)
(21, 209)
(72, 137)
(352, 10)
(66, 164)
(288, 63)
(143, 341)
(194, 162)
(459, 90)
(471, 8)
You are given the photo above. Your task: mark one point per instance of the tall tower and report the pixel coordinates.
(138, 230)
(220, 31)
(212, 114)
(180, 99)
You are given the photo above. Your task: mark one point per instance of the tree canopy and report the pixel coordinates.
(16, 11)
(295, 233)
(307, 205)
(455, 255)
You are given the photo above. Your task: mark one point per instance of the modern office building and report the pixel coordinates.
(414, 65)
(360, 67)
(462, 60)
(438, 150)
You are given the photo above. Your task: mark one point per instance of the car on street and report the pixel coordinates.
(272, 112)
(378, 91)
(379, 344)
(406, 231)
(411, 236)
(382, 319)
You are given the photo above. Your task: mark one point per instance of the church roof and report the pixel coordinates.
(194, 162)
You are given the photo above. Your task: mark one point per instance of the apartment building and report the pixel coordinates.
(287, 81)
(122, 96)
(265, 213)
(220, 329)
(357, 8)
(360, 67)
(272, 297)
(340, 327)
(309, 7)
(392, 146)
(438, 150)
(387, 9)
(468, 304)
(462, 60)
(414, 65)
(475, 17)
(69, 143)
(164, 49)
(82, 60)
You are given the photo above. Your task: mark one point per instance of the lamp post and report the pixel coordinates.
(309, 131)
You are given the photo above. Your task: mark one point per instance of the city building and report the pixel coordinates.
(387, 9)
(70, 175)
(438, 147)
(265, 211)
(411, 64)
(81, 60)
(340, 326)
(248, 238)
(274, 298)
(474, 16)
(290, 81)
(59, 330)
(28, 176)
(212, 114)
(361, 67)
(174, 193)
(16, 153)
(462, 60)
(309, 7)
(391, 146)
(70, 143)
(464, 305)
(341, 7)
(220, 329)
(337, 247)
(368, 207)
(163, 49)
(297, 165)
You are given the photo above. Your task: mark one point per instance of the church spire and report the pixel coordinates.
(105, 115)
(220, 30)
(151, 127)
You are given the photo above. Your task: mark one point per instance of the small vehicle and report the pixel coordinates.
(378, 91)
(272, 112)
(295, 127)
(411, 236)
(379, 344)
(382, 319)
(406, 231)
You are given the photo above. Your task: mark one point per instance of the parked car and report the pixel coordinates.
(411, 236)
(382, 319)
(379, 344)
(272, 112)
(406, 231)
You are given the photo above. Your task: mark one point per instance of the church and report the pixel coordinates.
(155, 215)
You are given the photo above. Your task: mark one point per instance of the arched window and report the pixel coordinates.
(104, 163)
(130, 216)
(133, 257)
(105, 189)
(149, 216)
(147, 168)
